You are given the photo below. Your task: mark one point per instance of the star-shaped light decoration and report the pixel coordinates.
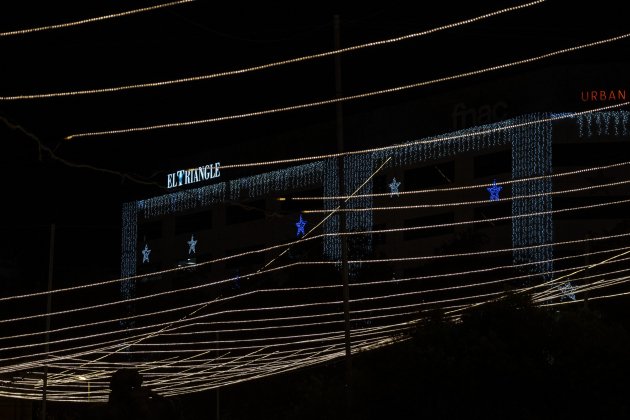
(393, 187)
(191, 244)
(567, 290)
(300, 226)
(494, 191)
(145, 254)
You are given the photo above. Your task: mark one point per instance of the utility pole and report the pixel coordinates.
(51, 255)
(588, 262)
(218, 416)
(342, 224)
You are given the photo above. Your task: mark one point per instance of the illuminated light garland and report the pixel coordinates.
(338, 337)
(90, 20)
(358, 262)
(467, 133)
(558, 291)
(604, 124)
(531, 156)
(475, 202)
(548, 282)
(244, 70)
(469, 187)
(309, 174)
(348, 98)
(591, 297)
(290, 265)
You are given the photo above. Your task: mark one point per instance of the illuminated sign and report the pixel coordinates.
(192, 176)
(603, 95)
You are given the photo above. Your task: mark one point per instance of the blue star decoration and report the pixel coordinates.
(191, 244)
(300, 226)
(393, 187)
(494, 191)
(145, 254)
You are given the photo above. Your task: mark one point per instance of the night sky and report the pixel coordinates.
(80, 184)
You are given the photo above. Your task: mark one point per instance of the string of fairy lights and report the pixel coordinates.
(343, 99)
(476, 186)
(241, 71)
(91, 20)
(224, 339)
(409, 306)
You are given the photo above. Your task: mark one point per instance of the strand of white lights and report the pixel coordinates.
(477, 253)
(545, 284)
(551, 292)
(85, 21)
(373, 330)
(353, 97)
(359, 188)
(485, 270)
(438, 275)
(606, 283)
(373, 343)
(362, 344)
(479, 284)
(469, 203)
(367, 345)
(270, 248)
(554, 292)
(468, 187)
(248, 69)
(590, 298)
(599, 285)
(206, 366)
(568, 115)
(340, 337)
(216, 283)
(204, 370)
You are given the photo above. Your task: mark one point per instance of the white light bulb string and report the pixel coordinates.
(343, 99)
(222, 259)
(90, 20)
(471, 203)
(242, 70)
(137, 316)
(468, 187)
(546, 283)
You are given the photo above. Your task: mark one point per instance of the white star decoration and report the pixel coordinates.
(393, 188)
(145, 254)
(191, 244)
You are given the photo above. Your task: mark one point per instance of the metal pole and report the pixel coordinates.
(588, 262)
(342, 223)
(48, 310)
(218, 388)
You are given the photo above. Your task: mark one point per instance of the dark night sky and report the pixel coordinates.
(200, 38)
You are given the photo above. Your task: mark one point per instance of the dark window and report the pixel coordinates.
(616, 211)
(247, 260)
(427, 221)
(193, 222)
(493, 164)
(589, 154)
(379, 238)
(429, 176)
(150, 230)
(491, 211)
(245, 212)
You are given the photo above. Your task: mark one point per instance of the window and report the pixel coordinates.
(245, 212)
(427, 221)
